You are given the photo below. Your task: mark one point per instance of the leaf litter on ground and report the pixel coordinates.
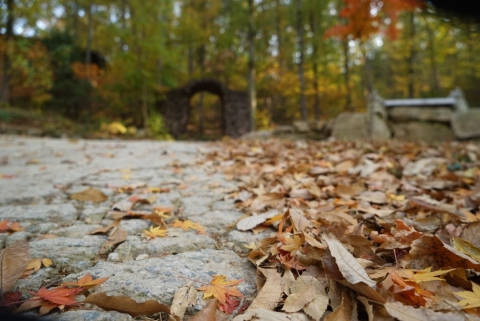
(368, 223)
(358, 230)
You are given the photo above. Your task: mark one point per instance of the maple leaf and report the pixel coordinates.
(4, 226)
(49, 299)
(154, 232)
(231, 305)
(185, 225)
(7, 226)
(220, 287)
(162, 211)
(36, 265)
(86, 282)
(427, 275)
(293, 244)
(59, 296)
(200, 229)
(471, 298)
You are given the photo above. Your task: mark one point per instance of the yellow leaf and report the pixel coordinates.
(34, 265)
(293, 244)
(185, 225)
(162, 211)
(276, 218)
(219, 288)
(251, 246)
(466, 248)
(46, 262)
(200, 229)
(426, 275)
(472, 299)
(155, 231)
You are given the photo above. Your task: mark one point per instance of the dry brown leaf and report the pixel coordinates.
(349, 191)
(184, 297)
(298, 300)
(125, 304)
(268, 199)
(373, 197)
(364, 290)
(316, 307)
(471, 234)
(208, 313)
(104, 230)
(429, 251)
(344, 311)
(254, 314)
(118, 235)
(368, 307)
(273, 289)
(313, 241)
(347, 264)
(122, 206)
(90, 194)
(299, 220)
(343, 167)
(408, 313)
(250, 222)
(336, 216)
(13, 261)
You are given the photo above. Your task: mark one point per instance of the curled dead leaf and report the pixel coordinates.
(125, 304)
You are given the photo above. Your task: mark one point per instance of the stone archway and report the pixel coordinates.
(235, 108)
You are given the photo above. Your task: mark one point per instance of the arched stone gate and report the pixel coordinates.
(235, 108)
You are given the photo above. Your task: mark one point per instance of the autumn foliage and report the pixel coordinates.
(365, 18)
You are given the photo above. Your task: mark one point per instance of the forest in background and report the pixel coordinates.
(114, 60)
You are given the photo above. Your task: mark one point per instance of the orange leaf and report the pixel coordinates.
(86, 282)
(219, 288)
(59, 296)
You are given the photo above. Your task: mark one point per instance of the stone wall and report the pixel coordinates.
(235, 108)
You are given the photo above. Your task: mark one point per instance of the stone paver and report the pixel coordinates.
(38, 176)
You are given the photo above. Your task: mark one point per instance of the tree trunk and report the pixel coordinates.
(251, 65)
(88, 51)
(367, 71)
(141, 68)
(75, 19)
(411, 57)
(316, 101)
(348, 92)
(191, 63)
(5, 90)
(301, 73)
(433, 62)
(278, 27)
(124, 25)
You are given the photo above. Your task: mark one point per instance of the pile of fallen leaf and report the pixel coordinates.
(351, 231)
(359, 231)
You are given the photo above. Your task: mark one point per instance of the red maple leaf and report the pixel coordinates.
(231, 304)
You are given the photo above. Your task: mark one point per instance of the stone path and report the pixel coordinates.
(37, 176)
